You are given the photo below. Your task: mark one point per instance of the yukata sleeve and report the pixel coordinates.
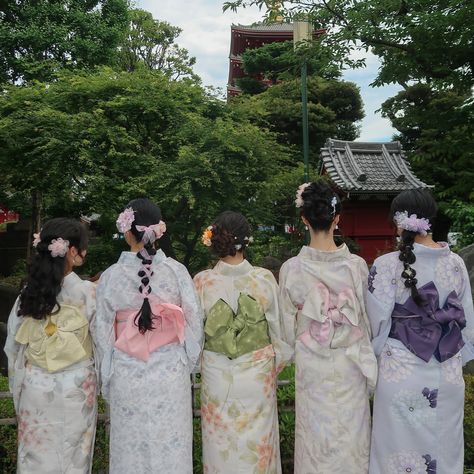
(288, 310)
(380, 301)
(193, 315)
(283, 351)
(467, 352)
(103, 334)
(12, 348)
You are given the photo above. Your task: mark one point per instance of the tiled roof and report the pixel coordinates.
(368, 168)
(277, 27)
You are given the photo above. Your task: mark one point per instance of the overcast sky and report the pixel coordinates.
(206, 34)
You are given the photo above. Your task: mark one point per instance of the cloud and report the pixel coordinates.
(206, 35)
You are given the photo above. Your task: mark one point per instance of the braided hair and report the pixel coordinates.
(230, 234)
(421, 203)
(320, 205)
(146, 213)
(38, 298)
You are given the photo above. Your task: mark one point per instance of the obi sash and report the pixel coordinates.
(57, 342)
(333, 318)
(235, 334)
(168, 328)
(429, 330)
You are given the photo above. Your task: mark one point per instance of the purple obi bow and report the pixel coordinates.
(429, 330)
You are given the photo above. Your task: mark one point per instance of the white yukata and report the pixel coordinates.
(53, 381)
(419, 399)
(151, 415)
(323, 308)
(238, 398)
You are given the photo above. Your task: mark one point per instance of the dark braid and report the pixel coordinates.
(146, 213)
(408, 258)
(421, 203)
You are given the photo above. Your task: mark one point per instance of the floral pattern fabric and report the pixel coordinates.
(150, 402)
(238, 398)
(332, 380)
(418, 405)
(56, 412)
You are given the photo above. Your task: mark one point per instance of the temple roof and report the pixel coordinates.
(277, 27)
(368, 168)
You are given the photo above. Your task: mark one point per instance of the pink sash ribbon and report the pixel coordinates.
(168, 322)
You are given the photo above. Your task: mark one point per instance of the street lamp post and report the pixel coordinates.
(302, 31)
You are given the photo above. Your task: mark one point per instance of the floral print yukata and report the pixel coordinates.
(238, 398)
(151, 418)
(323, 308)
(56, 411)
(419, 399)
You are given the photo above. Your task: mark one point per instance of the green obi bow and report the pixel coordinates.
(236, 334)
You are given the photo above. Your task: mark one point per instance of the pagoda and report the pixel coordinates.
(245, 37)
(368, 176)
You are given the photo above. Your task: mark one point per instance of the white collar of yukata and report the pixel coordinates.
(420, 249)
(322, 255)
(130, 258)
(233, 270)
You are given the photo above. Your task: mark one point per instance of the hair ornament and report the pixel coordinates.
(207, 236)
(36, 240)
(152, 232)
(125, 220)
(333, 204)
(299, 195)
(58, 247)
(413, 223)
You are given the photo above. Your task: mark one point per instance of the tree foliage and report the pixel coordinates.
(39, 38)
(93, 142)
(151, 43)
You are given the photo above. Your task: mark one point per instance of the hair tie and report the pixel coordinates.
(58, 247)
(207, 236)
(151, 232)
(36, 240)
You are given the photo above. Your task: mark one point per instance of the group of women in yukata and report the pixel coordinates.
(404, 329)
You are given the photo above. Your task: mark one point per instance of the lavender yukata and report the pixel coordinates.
(419, 398)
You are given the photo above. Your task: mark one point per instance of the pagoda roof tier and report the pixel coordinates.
(368, 167)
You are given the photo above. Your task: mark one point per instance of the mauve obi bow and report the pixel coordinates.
(168, 322)
(329, 312)
(429, 330)
(234, 335)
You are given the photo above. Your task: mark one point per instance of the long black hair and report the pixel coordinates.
(146, 213)
(38, 298)
(317, 205)
(421, 203)
(231, 233)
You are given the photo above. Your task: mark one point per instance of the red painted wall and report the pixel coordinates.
(367, 223)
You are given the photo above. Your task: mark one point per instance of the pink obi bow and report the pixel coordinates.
(334, 319)
(168, 322)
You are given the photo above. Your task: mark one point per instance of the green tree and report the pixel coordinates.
(38, 38)
(151, 43)
(92, 142)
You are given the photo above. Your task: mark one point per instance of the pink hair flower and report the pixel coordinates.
(299, 195)
(125, 220)
(36, 240)
(58, 247)
(412, 223)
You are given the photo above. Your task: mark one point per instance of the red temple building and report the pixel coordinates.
(244, 37)
(368, 176)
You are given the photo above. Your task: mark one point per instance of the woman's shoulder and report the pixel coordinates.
(389, 259)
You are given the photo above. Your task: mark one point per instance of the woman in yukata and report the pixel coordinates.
(421, 312)
(50, 356)
(149, 337)
(323, 309)
(242, 355)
